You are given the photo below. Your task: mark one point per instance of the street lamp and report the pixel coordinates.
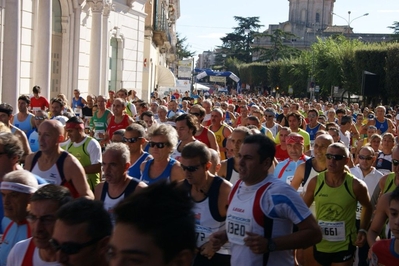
(349, 21)
(224, 60)
(247, 32)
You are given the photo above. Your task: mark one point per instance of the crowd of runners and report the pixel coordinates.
(186, 180)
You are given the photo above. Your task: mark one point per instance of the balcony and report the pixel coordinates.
(160, 33)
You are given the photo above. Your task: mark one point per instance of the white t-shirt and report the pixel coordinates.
(17, 255)
(281, 203)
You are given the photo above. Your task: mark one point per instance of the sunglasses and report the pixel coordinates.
(190, 169)
(335, 157)
(70, 248)
(39, 117)
(367, 158)
(131, 140)
(160, 145)
(196, 114)
(395, 162)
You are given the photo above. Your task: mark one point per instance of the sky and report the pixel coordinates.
(205, 22)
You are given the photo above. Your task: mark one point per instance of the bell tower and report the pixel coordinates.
(311, 12)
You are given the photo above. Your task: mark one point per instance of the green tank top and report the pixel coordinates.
(99, 124)
(389, 183)
(336, 214)
(80, 152)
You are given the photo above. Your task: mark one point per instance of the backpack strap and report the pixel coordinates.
(230, 167)
(34, 160)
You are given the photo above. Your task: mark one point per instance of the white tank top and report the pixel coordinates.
(52, 175)
(205, 225)
(273, 129)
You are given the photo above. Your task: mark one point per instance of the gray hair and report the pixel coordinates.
(121, 149)
(165, 130)
(22, 177)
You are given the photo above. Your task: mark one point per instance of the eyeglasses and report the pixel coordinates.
(335, 157)
(190, 169)
(395, 162)
(367, 158)
(71, 248)
(160, 145)
(46, 219)
(131, 140)
(39, 117)
(196, 114)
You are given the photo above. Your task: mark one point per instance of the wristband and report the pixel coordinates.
(363, 230)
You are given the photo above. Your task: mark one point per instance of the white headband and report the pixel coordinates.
(17, 187)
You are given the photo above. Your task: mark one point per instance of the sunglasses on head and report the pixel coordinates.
(335, 157)
(196, 114)
(131, 140)
(39, 117)
(70, 248)
(367, 158)
(395, 162)
(160, 145)
(190, 169)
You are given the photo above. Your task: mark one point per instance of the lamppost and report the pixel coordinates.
(224, 61)
(247, 32)
(349, 21)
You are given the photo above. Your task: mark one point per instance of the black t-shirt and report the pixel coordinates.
(86, 111)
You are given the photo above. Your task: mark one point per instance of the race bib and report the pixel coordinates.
(97, 134)
(202, 234)
(236, 227)
(358, 210)
(333, 231)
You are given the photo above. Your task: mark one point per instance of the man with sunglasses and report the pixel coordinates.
(210, 194)
(81, 233)
(37, 251)
(135, 140)
(336, 193)
(85, 148)
(270, 115)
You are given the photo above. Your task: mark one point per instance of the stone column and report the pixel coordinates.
(105, 51)
(11, 52)
(97, 7)
(42, 63)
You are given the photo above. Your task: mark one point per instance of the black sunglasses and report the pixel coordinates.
(131, 140)
(71, 248)
(395, 162)
(160, 145)
(368, 158)
(190, 168)
(335, 157)
(39, 117)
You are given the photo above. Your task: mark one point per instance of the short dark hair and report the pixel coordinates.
(137, 128)
(196, 149)
(92, 212)
(6, 108)
(60, 194)
(12, 145)
(36, 89)
(191, 121)
(340, 111)
(266, 146)
(146, 113)
(25, 98)
(394, 195)
(75, 119)
(164, 212)
(346, 119)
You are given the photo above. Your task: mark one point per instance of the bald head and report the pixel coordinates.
(53, 126)
(326, 138)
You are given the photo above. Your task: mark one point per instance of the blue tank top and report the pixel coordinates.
(165, 174)
(383, 127)
(134, 169)
(25, 125)
(312, 131)
(33, 139)
(77, 103)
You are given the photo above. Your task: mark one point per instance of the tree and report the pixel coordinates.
(237, 44)
(279, 48)
(182, 49)
(395, 27)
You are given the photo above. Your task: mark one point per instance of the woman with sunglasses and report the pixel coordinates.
(163, 139)
(202, 133)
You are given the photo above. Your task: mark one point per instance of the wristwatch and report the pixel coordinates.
(271, 246)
